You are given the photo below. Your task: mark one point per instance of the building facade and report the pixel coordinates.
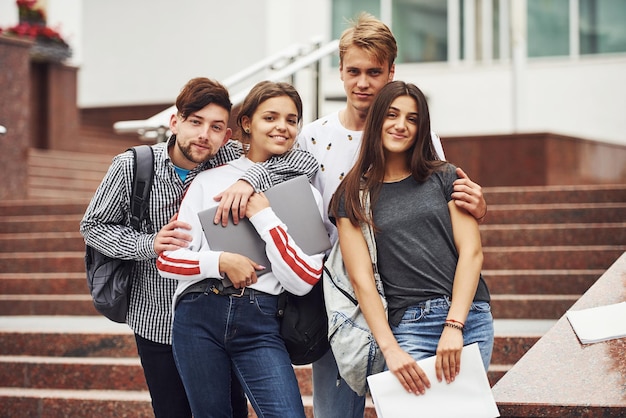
(487, 66)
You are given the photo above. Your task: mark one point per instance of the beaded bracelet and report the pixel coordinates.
(455, 321)
(453, 325)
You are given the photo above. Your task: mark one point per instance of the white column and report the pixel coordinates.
(486, 31)
(518, 67)
(574, 24)
(469, 30)
(504, 37)
(454, 31)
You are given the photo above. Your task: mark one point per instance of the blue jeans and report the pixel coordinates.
(332, 397)
(214, 333)
(421, 326)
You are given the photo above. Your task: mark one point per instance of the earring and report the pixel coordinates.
(247, 130)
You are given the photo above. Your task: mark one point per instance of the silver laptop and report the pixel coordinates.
(294, 203)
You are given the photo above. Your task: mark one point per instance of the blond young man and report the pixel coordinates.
(367, 52)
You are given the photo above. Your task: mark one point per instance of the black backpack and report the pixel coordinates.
(304, 325)
(109, 279)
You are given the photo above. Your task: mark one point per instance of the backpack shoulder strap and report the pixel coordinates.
(143, 173)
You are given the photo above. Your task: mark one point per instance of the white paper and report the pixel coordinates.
(468, 396)
(599, 324)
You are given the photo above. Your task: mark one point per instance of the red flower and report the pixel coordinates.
(29, 4)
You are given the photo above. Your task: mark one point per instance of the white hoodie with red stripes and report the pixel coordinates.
(292, 269)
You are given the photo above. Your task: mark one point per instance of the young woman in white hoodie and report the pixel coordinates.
(224, 315)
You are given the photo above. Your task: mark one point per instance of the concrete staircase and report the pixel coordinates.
(544, 246)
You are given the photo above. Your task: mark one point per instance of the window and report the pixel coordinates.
(548, 28)
(347, 10)
(421, 30)
(481, 28)
(344, 11)
(602, 28)
(420, 26)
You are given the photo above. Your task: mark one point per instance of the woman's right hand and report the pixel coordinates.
(256, 203)
(241, 271)
(406, 369)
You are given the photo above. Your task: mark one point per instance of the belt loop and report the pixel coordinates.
(427, 306)
(251, 295)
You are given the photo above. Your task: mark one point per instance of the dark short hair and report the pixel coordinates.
(200, 92)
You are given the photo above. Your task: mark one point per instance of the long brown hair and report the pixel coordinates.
(369, 170)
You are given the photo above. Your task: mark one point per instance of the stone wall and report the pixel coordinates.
(15, 116)
(537, 159)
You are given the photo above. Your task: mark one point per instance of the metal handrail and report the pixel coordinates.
(156, 127)
(293, 68)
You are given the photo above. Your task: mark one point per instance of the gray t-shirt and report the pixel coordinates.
(417, 256)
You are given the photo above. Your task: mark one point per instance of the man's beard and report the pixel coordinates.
(189, 155)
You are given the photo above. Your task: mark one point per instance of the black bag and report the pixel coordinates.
(304, 325)
(109, 279)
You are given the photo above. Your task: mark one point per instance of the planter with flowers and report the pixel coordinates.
(49, 45)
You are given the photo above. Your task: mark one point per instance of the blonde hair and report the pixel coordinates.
(371, 35)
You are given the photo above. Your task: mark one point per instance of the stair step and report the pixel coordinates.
(59, 403)
(51, 403)
(104, 373)
(496, 371)
(531, 306)
(553, 234)
(496, 258)
(71, 187)
(95, 373)
(499, 282)
(62, 159)
(500, 236)
(540, 281)
(40, 223)
(60, 175)
(96, 336)
(47, 305)
(43, 207)
(503, 306)
(555, 194)
(562, 257)
(556, 213)
(90, 172)
(112, 374)
(34, 262)
(42, 242)
(43, 283)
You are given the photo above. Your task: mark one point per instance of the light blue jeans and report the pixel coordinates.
(421, 326)
(213, 333)
(332, 397)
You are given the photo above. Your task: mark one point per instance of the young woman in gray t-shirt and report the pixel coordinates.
(429, 250)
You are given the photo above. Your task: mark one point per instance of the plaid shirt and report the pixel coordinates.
(106, 223)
